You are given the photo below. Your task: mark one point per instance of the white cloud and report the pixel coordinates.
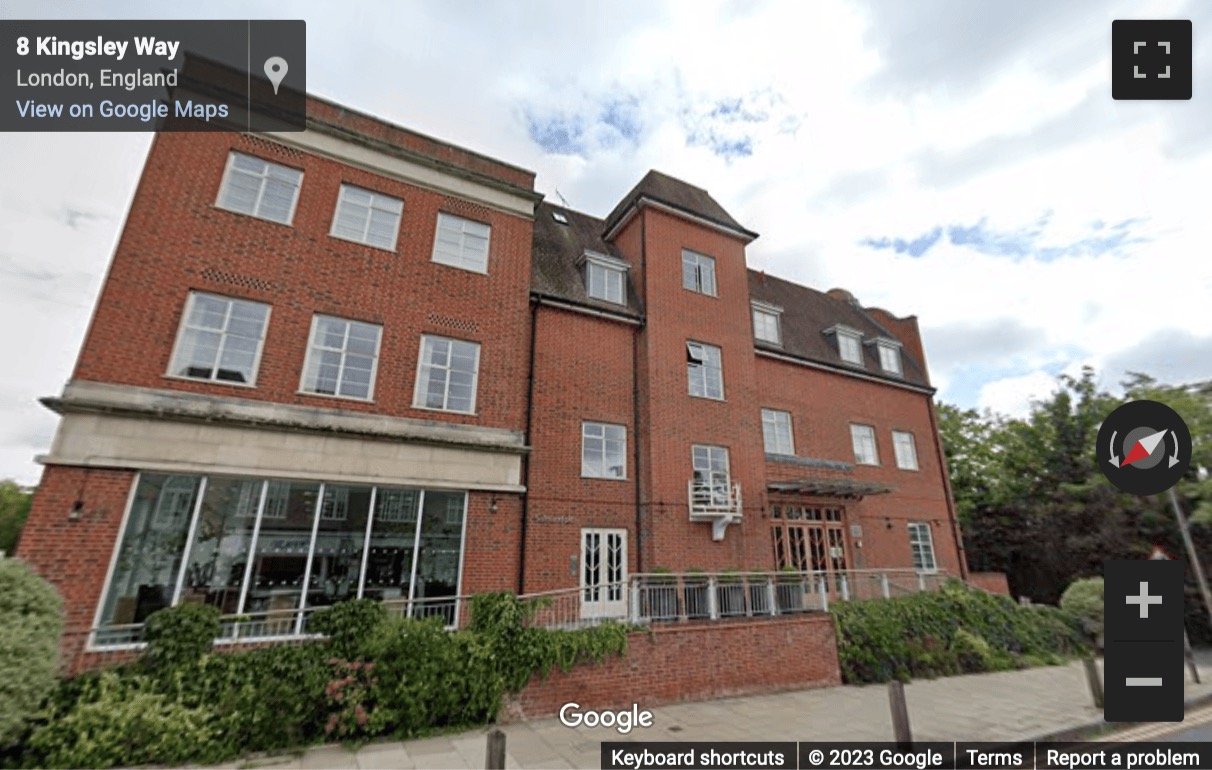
(1013, 396)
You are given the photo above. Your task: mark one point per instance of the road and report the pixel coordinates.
(1197, 726)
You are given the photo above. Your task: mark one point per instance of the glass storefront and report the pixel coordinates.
(265, 549)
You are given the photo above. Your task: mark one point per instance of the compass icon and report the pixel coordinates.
(1144, 447)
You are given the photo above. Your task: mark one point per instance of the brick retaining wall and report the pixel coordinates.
(993, 582)
(693, 662)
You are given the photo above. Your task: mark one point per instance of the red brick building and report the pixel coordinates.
(358, 361)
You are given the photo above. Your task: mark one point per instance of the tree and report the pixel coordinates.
(15, 502)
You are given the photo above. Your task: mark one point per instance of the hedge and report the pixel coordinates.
(954, 630)
(31, 621)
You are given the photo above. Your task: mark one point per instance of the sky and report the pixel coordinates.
(957, 160)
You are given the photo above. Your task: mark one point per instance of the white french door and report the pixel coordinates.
(603, 573)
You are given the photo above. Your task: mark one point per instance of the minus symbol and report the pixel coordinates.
(1143, 681)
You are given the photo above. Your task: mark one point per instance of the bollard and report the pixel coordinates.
(1095, 682)
(495, 756)
(1187, 653)
(900, 715)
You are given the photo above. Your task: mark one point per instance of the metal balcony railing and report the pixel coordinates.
(719, 503)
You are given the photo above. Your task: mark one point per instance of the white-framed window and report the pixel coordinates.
(342, 358)
(863, 438)
(921, 544)
(906, 450)
(849, 346)
(260, 188)
(367, 217)
(890, 357)
(606, 278)
(705, 370)
(447, 374)
(698, 272)
(461, 243)
(559, 217)
(776, 432)
(220, 339)
(603, 451)
(766, 326)
(336, 504)
(712, 478)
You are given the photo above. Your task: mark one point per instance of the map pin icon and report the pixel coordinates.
(275, 70)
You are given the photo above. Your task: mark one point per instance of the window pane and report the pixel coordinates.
(690, 271)
(707, 275)
(438, 559)
(150, 553)
(337, 558)
(392, 544)
(461, 243)
(280, 559)
(219, 553)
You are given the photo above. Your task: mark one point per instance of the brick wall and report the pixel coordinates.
(993, 582)
(697, 662)
(177, 240)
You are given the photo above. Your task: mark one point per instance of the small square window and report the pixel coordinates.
(342, 358)
(259, 188)
(447, 375)
(220, 339)
(603, 451)
(367, 217)
(849, 347)
(776, 432)
(461, 243)
(559, 217)
(606, 278)
(863, 438)
(698, 272)
(766, 326)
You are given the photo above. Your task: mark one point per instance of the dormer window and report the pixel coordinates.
(890, 356)
(766, 326)
(605, 278)
(849, 343)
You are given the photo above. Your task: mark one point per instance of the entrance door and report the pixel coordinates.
(603, 573)
(811, 539)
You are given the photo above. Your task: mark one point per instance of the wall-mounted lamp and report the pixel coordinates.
(492, 506)
(887, 522)
(76, 512)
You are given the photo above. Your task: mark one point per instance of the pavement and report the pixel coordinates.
(1033, 704)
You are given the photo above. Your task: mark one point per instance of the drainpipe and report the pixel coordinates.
(942, 464)
(640, 538)
(534, 325)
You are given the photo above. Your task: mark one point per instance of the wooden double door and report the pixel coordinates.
(811, 538)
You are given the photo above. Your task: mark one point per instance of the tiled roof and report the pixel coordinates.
(558, 249)
(807, 313)
(678, 194)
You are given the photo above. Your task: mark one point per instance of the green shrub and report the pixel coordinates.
(348, 624)
(949, 631)
(31, 622)
(122, 721)
(1083, 599)
(178, 637)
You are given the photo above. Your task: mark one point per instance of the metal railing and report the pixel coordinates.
(712, 500)
(643, 599)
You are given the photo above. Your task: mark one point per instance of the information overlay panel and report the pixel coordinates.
(1092, 755)
(153, 76)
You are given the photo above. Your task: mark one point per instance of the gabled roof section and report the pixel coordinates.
(678, 195)
(808, 313)
(557, 270)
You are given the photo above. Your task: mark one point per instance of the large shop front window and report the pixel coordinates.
(269, 549)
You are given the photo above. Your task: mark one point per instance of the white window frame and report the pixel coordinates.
(697, 353)
(602, 439)
(611, 270)
(461, 262)
(264, 175)
(919, 546)
(311, 352)
(890, 356)
(850, 342)
(712, 477)
(422, 383)
(700, 261)
(184, 326)
(767, 318)
(902, 442)
(378, 202)
(859, 432)
(776, 425)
